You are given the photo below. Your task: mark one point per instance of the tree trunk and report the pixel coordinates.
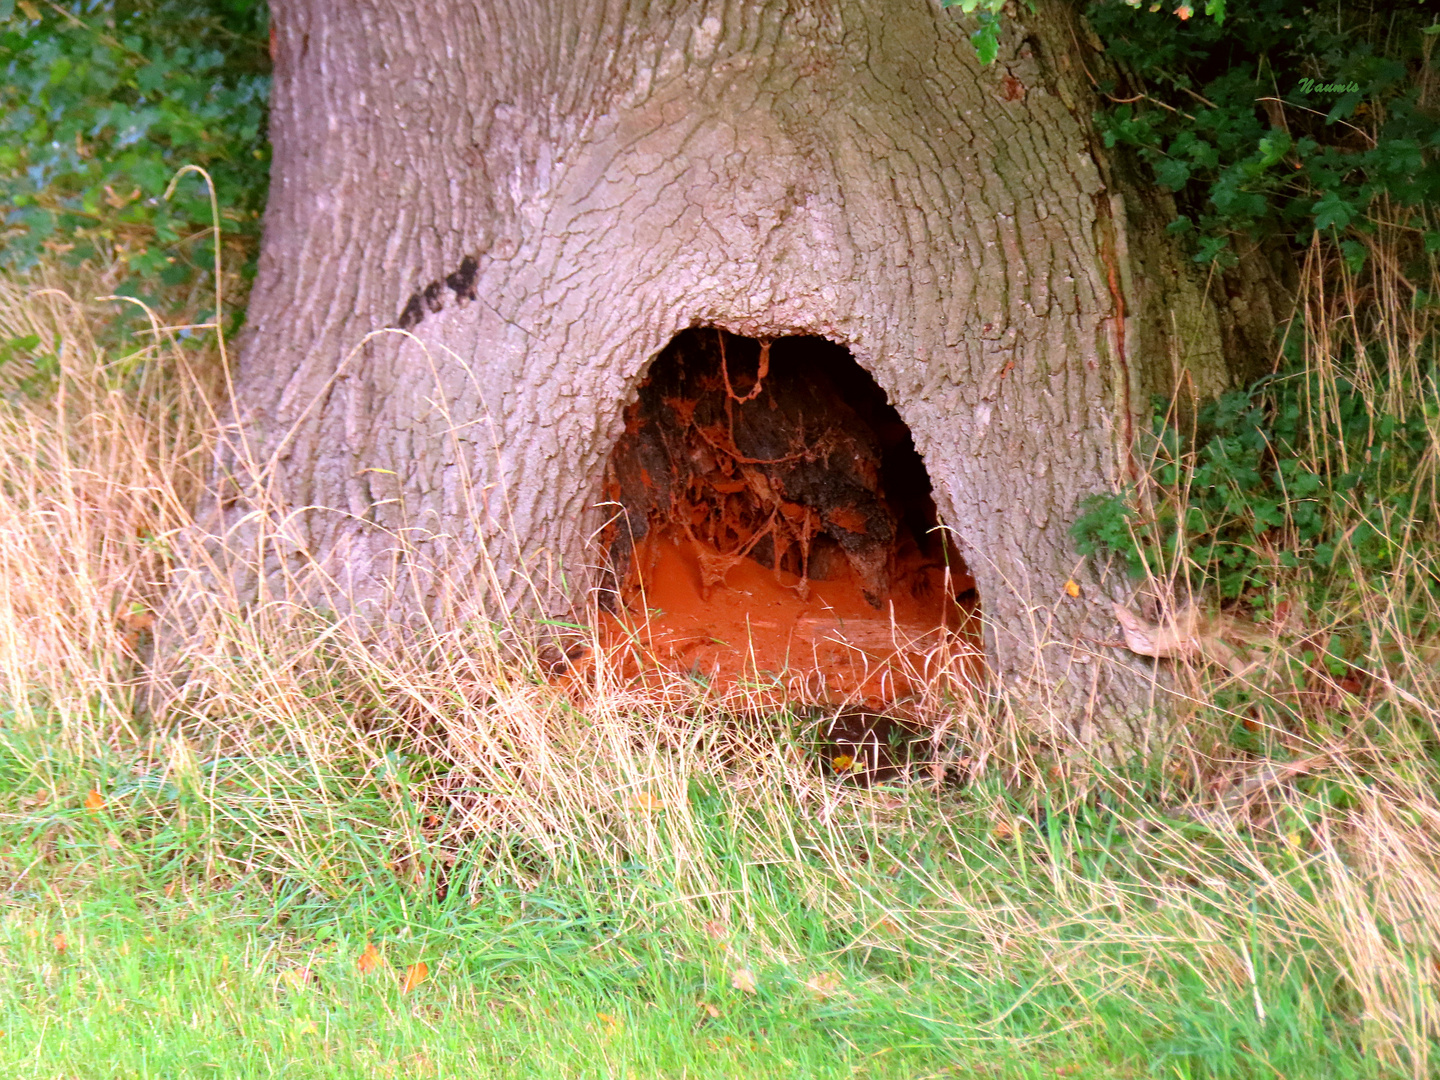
(486, 219)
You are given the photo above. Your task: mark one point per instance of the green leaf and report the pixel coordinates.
(1172, 173)
(1355, 254)
(1211, 248)
(1331, 211)
(986, 38)
(1273, 148)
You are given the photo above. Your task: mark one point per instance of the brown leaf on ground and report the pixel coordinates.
(94, 801)
(369, 958)
(415, 974)
(743, 979)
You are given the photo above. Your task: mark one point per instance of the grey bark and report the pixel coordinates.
(486, 218)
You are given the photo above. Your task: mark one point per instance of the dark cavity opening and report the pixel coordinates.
(773, 517)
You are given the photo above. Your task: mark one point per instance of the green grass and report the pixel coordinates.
(917, 939)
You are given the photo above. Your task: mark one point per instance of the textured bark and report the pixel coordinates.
(486, 219)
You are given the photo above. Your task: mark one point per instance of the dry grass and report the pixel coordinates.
(102, 465)
(1314, 859)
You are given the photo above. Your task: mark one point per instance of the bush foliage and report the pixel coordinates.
(101, 103)
(1291, 126)
(1282, 119)
(1275, 484)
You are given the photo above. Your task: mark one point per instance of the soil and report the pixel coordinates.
(774, 527)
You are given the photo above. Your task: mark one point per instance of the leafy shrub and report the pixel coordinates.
(1236, 119)
(1277, 482)
(101, 103)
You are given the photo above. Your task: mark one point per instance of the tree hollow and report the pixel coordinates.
(772, 521)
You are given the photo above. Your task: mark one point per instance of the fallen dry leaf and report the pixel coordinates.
(59, 942)
(1173, 639)
(644, 801)
(825, 983)
(1187, 635)
(94, 801)
(133, 628)
(415, 974)
(709, 1010)
(369, 958)
(1072, 589)
(297, 978)
(743, 979)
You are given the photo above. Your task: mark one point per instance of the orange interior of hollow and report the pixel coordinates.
(736, 579)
